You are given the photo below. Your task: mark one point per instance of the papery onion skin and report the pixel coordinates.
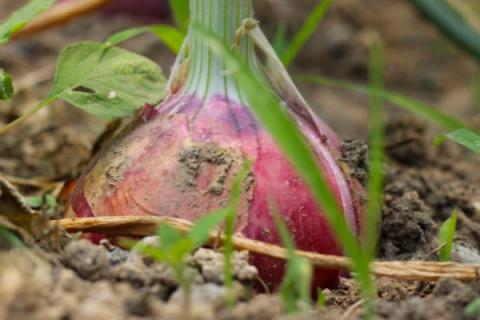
(173, 164)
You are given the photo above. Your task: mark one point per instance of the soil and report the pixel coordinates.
(65, 277)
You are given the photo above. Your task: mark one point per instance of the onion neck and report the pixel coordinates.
(207, 73)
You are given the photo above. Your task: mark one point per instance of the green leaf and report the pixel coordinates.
(321, 299)
(171, 37)
(427, 112)
(296, 284)
(168, 236)
(8, 239)
(446, 236)
(181, 12)
(51, 201)
(443, 14)
(235, 194)
(280, 42)
(473, 308)
(21, 17)
(200, 232)
(376, 154)
(34, 201)
(6, 85)
(125, 35)
(106, 81)
(305, 32)
(466, 138)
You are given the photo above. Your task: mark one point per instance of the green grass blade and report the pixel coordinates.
(283, 129)
(451, 22)
(446, 236)
(279, 42)
(296, 284)
(125, 35)
(21, 17)
(466, 138)
(200, 232)
(377, 156)
(180, 10)
(305, 32)
(170, 36)
(235, 194)
(6, 85)
(419, 108)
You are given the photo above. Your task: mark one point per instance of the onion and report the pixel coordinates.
(178, 159)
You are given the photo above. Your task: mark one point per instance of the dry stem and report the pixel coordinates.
(147, 226)
(59, 14)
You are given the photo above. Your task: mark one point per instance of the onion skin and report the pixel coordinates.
(179, 159)
(181, 163)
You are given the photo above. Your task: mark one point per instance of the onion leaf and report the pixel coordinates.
(106, 81)
(445, 237)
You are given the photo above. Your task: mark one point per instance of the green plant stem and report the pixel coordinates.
(377, 143)
(206, 75)
(14, 124)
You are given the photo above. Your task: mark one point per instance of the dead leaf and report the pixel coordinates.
(13, 207)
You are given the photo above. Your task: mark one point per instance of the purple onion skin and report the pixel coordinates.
(179, 160)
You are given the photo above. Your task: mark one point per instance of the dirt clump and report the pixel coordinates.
(211, 265)
(447, 301)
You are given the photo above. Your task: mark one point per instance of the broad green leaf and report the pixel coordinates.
(445, 237)
(6, 85)
(305, 32)
(171, 37)
(444, 14)
(466, 138)
(21, 17)
(181, 12)
(427, 112)
(106, 81)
